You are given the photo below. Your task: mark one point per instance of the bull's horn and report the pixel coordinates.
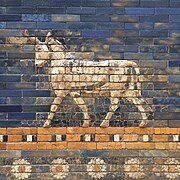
(47, 37)
(25, 33)
(37, 41)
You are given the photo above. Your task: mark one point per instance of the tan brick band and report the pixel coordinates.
(76, 138)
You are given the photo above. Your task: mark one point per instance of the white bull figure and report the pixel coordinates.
(112, 78)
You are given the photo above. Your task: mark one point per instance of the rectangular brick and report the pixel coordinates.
(73, 137)
(65, 18)
(93, 3)
(140, 145)
(139, 11)
(102, 145)
(81, 130)
(110, 130)
(167, 11)
(125, 3)
(166, 131)
(13, 146)
(14, 138)
(52, 130)
(130, 137)
(116, 145)
(139, 26)
(2, 146)
(154, 3)
(78, 10)
(44, 138)
(13, 108)
(154, 18)
(161, 138)
(29, 146)
(134, 130)
(2, 131)
(53, 25)
(81, 145)
(101, 138)
(170, 145)
(95, 18)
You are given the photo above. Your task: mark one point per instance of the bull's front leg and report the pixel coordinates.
(112, 108)
(54, 107)
(80, 102)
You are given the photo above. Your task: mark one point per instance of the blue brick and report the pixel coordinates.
(17, 116)
(95, 18)
(2, 25)
(10, 78)
(36, 93)
(95, 33)
(37, 108)
(20, 10)
(51, 25)
(174, 3)
(2, 10)
(74, 25)
(52, 10)
(94, 153)
(174, 63)
(10, 93)
(13, 3)
(175, 101)
(3, 55)
(109, 25)
(139, 26)
(123, 48)
(166, 116)
(148, 33)
(174, 18)
(11, 108)
(36, 17)
(174, 78)
(20, 85)
(139, 11)
(79, 10)
(154, 3)
(154, 18)
(21, 25)
(167, 11)
(10, 123)
(168, 26)
(111, 10)
(95, 3)
(6, 17)
(2, 100)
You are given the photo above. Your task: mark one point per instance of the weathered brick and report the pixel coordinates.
(148, 33)
(161, 138)
(167, 11)
(125, 18)
(122, 3)
(139, 11)
(154, 3)
(65, 18)
(154, 18)
(95, 18)
(140, 145)
(95, 33)
(93, 3)
(78, 10)
(14, 138)
(140, 26)
(81, 145)
(154, 49)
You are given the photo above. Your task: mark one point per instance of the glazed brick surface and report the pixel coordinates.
(109, 66)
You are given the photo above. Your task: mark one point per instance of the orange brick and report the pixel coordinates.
(59, 145)
(52, 130)
(101, 137)
(81, 145)
(110, 130)
(44, 138)
(13, 146)
(81, 130)
(2, 131)
(136, 130)
(29, 130)
(102, 145)
(41, 145)
(167, 131)
(73, 137)
(29, 145)
(140, 145)
(2, 146)
(130, 137)
(17, 131)
(14, 138)
(167, 145)
(162, 138)
(116, 145)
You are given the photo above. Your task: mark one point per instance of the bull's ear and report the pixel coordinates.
(48, 37)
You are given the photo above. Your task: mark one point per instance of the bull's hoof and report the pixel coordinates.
(85, 124)
(47, 124)
(143, 124)
(104, 125)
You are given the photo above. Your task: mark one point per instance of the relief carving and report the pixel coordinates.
(112, 78)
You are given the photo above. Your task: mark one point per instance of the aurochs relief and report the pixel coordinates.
(114, 79)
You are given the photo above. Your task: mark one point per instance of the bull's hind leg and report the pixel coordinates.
(54, 107)
(80, 102)
(112, 108)
(138, 103)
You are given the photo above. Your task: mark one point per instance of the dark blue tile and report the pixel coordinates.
(96, 33)
(10, 93)
(139, 11)
(169, 101)
(11, 108)
(95, 153)
(22, 116)
(36, 93)
(10, 123)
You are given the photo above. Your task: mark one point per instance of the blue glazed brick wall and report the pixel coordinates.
(147, 32)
